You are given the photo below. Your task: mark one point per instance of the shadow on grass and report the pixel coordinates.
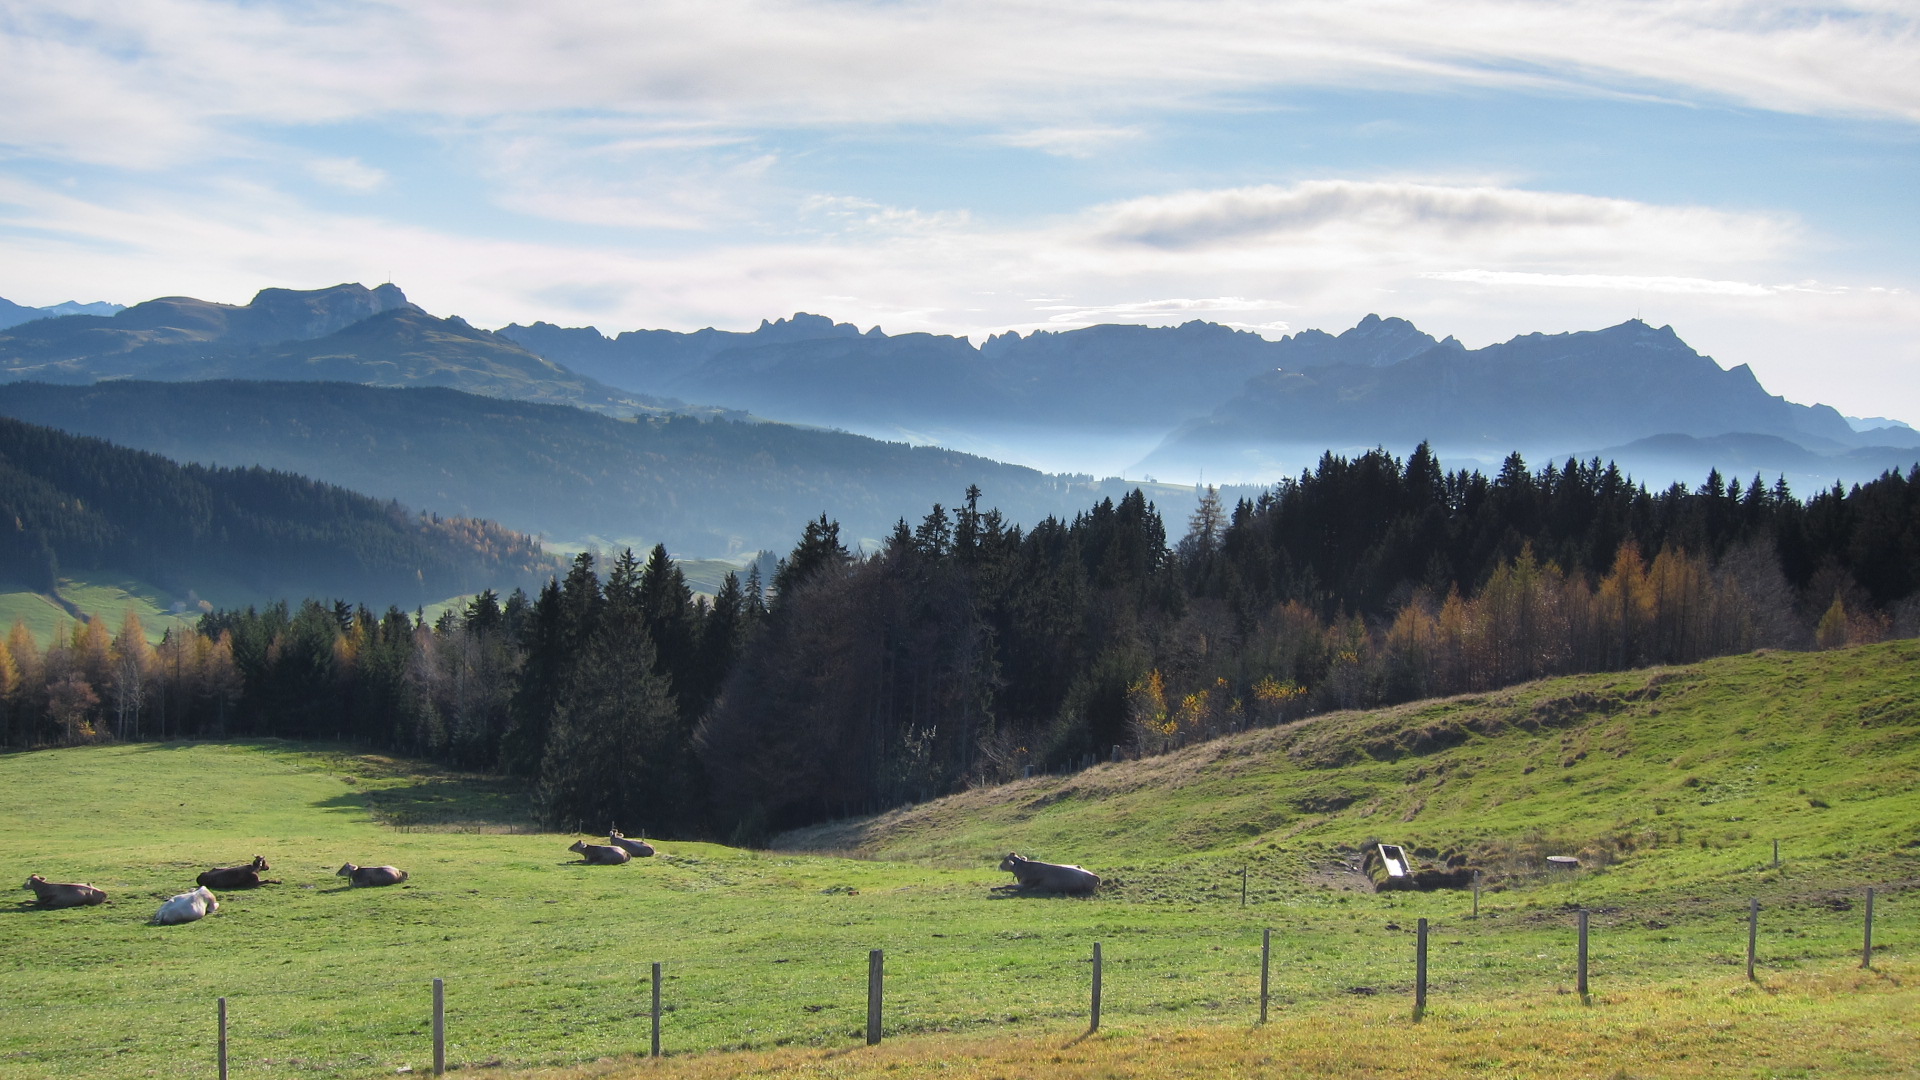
(462, 804)
(23, 906)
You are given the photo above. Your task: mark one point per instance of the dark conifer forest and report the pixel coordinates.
(967, 650)
(73, 503)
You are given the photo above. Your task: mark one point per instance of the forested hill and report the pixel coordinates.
(71, 504)
(700, 487)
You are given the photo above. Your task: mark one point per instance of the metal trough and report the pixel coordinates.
(1394, 858)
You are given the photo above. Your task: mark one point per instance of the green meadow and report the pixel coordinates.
(103, 597)
(1671, 785)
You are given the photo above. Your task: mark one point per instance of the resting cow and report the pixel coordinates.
(59, 894)
(187, 907)
(600, 854)
(236, 877)
(639, 849)
(1049, 877)
(371, 875)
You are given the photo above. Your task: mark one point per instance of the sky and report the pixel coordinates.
(1748, 173)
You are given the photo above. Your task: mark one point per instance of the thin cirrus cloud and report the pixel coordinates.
(348, 174)
(1073, 142)
(188, 70)
(1221, 309)
(1637, 283)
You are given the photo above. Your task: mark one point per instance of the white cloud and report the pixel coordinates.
(1073, 142)
(146, 81)
(1174, 309)
(1369, 217)
(1642, 283)
(350, 174)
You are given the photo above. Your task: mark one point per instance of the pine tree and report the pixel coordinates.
(613, 750)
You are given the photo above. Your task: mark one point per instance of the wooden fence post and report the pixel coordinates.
(1866, 947)
(1420, 972)
(1243, 886)
(1753, 933)
(439, 1027)
(223, 1039)
(1266, 959)
(1583, 958)
(1476, 894)
(656, 1011)
(1094, 1025)
(874, 968)
(1776, 854)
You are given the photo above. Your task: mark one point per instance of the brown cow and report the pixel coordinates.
(1049, 877)
(600, 854)
(371, 875)
(236, 877)
(639, 849)
(58, 894)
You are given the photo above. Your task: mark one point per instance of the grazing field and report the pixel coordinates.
(1671, 784)
(108, 598)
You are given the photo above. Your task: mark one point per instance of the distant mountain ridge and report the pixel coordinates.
(345, 333)
(12, 314)
(811, 369)
(1206, 400)
(1546, 395)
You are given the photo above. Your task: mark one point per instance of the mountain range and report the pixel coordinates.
(346, 333)
(1539, 394)
(12, 314)
(1202, 400)
(1134, 383)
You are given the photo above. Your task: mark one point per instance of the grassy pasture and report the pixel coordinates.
(1676, 780)
(105, 597)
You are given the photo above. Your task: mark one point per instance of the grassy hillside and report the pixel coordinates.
(111, 597)
(101, 597)
(546, 960)
(1680, 778)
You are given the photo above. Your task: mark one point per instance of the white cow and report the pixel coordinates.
(187, 907)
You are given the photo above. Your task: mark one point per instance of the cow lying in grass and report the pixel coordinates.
(639, 849)
(600, 854)
(62, 894)
(187, 907)
(371, 875)
(1029, 874)
(236, 877)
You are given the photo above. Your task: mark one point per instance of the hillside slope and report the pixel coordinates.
(1681, 775)
(700, 487)
(83, 504)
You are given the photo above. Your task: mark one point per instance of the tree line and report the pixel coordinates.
(965, 649)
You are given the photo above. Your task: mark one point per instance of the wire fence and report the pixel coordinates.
(634, 1006)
